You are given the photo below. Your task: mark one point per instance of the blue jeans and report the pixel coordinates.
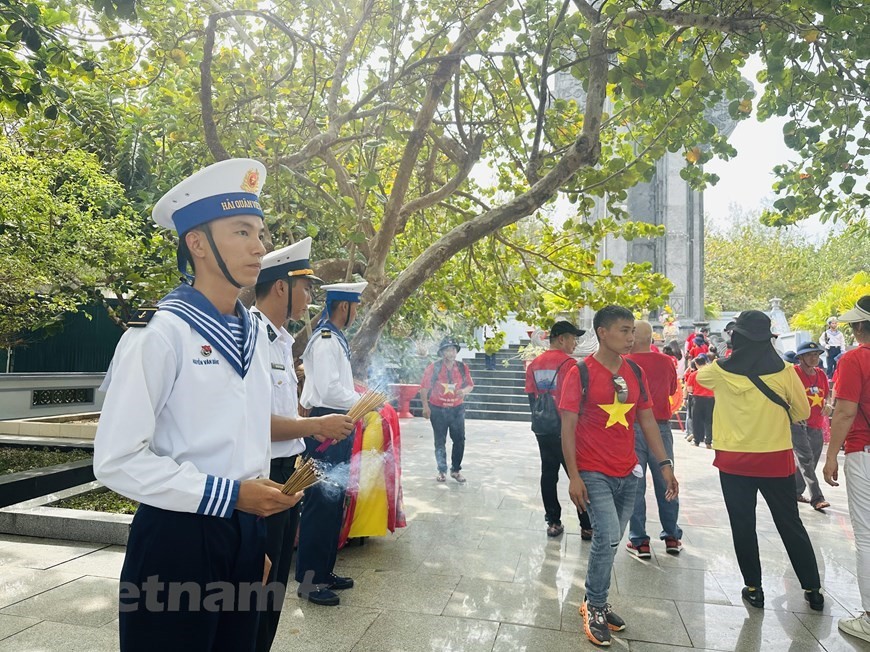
(452, 420)
(668, 511)
(611, 501)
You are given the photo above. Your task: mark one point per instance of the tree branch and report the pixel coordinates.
(728, 25)
(585, 151)
(447, 189)
(341, 61)
(390, 222)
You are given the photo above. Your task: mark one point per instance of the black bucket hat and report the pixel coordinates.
(446, 342)
(754, 325)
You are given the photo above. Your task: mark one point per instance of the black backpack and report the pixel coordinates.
(545, 416)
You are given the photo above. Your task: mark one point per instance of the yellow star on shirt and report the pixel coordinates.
(616, 412)
(449, 388)
(816, 400)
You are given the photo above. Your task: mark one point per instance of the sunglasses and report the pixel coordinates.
(621, 388)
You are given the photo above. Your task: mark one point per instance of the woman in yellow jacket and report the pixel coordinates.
(758, 396)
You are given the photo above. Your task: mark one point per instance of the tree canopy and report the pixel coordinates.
(66, 230)
(748, 263)
(422, 143)
(836, 299)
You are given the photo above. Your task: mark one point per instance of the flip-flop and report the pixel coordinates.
(820, 505)
(441, 477)
(801, 499)
(555, 530)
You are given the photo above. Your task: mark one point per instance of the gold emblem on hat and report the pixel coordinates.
(251, 182)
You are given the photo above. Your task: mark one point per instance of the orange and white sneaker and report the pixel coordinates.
(595, 624)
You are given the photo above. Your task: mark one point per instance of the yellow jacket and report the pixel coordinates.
(744, 419)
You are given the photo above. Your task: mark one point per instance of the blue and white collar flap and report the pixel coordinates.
(194, 308)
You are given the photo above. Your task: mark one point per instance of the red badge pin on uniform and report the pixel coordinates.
(205, 351)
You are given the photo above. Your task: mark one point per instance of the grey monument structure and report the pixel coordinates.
(665, 200)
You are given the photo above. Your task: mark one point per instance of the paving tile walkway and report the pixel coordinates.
(475, 571)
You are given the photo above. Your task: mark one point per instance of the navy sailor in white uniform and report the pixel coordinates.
(328, 389)
(283, 292)
(185, 429)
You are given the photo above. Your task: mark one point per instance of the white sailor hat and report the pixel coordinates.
(226, 188)
(344, 291)
(287, 262)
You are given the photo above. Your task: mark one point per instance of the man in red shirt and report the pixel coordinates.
(851, 424)
(661, 374)
(598, 415)
(445, 385)
(702, 406)
(545, 376)
(807, 437)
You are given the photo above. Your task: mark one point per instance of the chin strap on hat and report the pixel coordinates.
(217, 255)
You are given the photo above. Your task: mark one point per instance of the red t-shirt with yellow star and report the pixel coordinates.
(817, 391)
(604, 437)
(444, 390)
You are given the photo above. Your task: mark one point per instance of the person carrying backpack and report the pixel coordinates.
(544, 378)
(445, 385)
(601, 399)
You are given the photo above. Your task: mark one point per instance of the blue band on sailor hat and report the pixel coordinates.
(339, 295)
(214, 208)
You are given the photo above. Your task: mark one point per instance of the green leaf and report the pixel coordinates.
(370, 180)
(15, 31)
(697, 69)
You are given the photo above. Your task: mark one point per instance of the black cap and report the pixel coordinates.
(563, 327)
(447, 342)
(728, 327)
(754, 325)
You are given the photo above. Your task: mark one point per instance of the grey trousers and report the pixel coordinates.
(807, 443)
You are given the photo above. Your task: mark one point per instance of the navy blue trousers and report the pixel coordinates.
(186, 582)
(322, 512)
(280, 538)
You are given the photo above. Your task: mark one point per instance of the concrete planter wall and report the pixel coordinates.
(54, 426)
(27, 396)
(37, 518)
(26, 485)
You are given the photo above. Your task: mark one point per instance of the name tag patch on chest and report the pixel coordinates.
(279, 367)
(205, 358)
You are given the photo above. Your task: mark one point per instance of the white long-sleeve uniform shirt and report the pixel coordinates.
(328, 374)
(285, 385)
(832, 338)
(180, 428)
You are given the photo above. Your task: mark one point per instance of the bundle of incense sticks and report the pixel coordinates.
(305, 475)
(371, 400)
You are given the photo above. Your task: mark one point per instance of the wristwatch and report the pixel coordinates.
(667, 462)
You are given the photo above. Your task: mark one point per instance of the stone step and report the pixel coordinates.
(495, 415)
(512, 365)
(480, 377)
(493, 386)
(511, 402)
